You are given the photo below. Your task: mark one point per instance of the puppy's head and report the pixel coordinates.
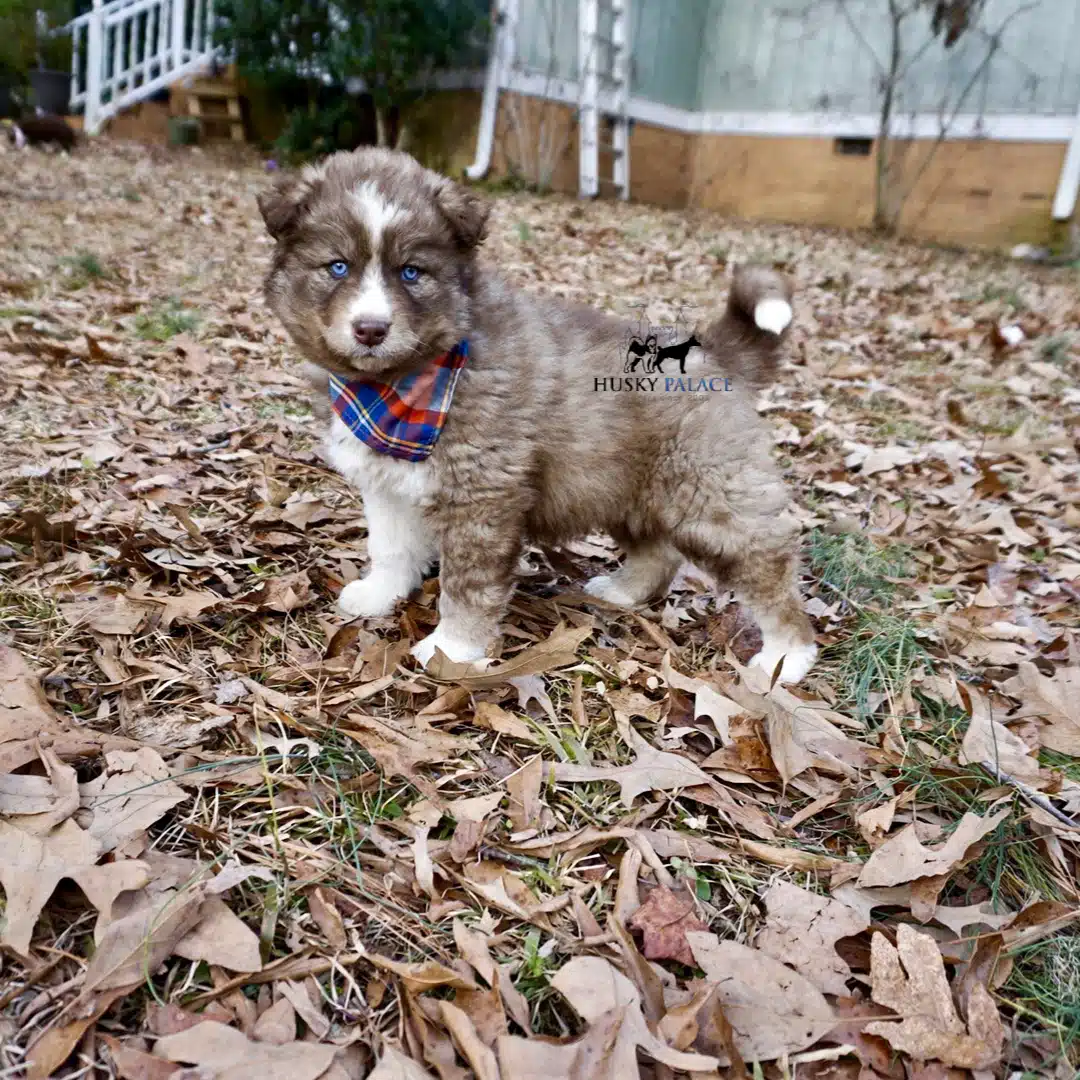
(373, 265)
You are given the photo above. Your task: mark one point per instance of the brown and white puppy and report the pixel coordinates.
(538, 443)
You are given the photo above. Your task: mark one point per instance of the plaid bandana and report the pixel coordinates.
(404, 418)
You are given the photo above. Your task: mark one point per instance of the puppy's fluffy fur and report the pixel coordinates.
(531, 448)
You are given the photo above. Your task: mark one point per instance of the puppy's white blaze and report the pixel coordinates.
(372, 301)
(773, 315)
(376, 212)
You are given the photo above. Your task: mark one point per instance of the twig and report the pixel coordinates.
(1030, 794)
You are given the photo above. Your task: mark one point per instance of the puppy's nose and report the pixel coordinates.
(370, 332)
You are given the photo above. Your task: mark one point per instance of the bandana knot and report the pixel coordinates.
(403, 418)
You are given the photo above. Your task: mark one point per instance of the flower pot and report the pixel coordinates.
(52, 90)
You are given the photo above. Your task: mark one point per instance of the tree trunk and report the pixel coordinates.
(403, 135)
(885, 219)
(381, 134)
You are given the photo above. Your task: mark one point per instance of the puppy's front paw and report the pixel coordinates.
(798, 660)
(459, 650)
(367, 598)
(608, 589)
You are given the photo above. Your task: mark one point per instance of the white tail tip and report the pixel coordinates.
(773, 315)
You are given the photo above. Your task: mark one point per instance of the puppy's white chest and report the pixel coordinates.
(374, 473)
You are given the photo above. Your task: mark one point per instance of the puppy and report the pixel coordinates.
(376, 279)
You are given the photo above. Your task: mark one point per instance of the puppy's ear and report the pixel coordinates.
(281, 204)
(467, 214)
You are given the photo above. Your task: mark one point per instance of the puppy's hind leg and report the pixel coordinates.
(645, 573)
(756, 556)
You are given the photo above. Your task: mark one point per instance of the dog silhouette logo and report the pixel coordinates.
(640, 352)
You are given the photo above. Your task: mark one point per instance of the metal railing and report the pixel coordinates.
(124, 51)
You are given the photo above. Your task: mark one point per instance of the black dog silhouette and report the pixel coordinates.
(639, 350)
(675, 352)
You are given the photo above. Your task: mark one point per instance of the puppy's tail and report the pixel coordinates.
(748, 338)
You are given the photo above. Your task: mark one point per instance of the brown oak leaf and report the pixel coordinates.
(665, 919)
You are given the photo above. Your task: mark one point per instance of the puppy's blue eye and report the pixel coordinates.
(338, 269)
(410, 273)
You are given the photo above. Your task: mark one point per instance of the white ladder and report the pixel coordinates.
(603, 59)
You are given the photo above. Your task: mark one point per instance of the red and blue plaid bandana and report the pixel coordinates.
(404, 418)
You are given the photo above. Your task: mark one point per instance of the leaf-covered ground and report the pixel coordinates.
(239, 838)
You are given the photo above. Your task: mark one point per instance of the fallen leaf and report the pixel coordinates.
(55, 1045)
(129, 796)
(664, 920)
(230, 1055)
(910, 979)
(602, 996)
(559, 650)
(802, 929)
(327, 918)
(277, 1025)
(32, 866)
(422, 976)
(524, 788)
(772, 1009)
(221, 938)
(1056, 700)
(987, 740)
(904, 857)
(491, 716)
(106, 614)
(394, 1065)
(481, 1058)
(134, 1064)
(652, 770)
(133, 947)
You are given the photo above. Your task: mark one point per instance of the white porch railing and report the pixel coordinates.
(124, 51)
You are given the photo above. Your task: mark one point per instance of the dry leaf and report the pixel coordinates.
(802, 929)
(421, 976)
(473, 947)
(603, 996)
(134, 1064)
(652, 770)
(524, 788)
(55, 1045)
(772, 1009)
(491, 716)
(1056, 700)
(230, 1055)
(910, 979)
(480, 1057)
(129, 796)
(32, 866)
(105, 614)
(221, 938)
(559, 650)
(664, 920)
(132, 948)
(327, 918)
(394, 1065)
(277, 1025)
(904, 857)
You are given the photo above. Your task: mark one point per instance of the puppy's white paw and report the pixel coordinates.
(773, 315)
(798, 660)
(608, 589)
(459, 650)
(368, 597)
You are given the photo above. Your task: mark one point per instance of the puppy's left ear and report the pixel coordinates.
(466, 213)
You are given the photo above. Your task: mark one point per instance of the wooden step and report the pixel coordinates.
(215, 103)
